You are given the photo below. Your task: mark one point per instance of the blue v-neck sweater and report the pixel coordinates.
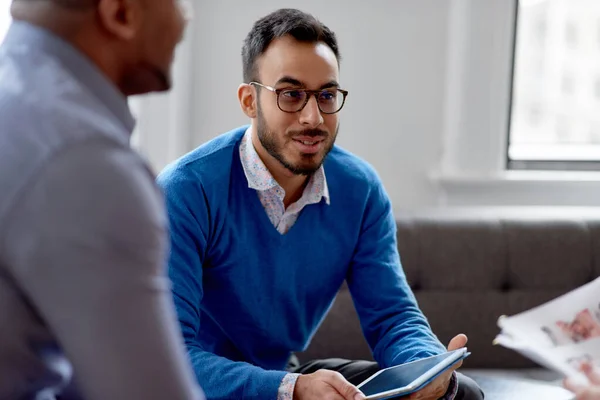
(247, 296)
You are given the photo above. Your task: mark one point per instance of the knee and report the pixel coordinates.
(468, 389)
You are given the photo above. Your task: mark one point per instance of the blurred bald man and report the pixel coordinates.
(83, 241)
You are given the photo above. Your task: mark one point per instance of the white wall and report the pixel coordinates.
(429, 84)
(394, 56)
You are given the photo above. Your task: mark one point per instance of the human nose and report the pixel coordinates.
(311, 114)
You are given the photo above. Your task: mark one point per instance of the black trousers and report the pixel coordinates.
(356, 372)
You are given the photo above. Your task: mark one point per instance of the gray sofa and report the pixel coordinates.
(467, 267)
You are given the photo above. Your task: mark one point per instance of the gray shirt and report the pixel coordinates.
(83, 293)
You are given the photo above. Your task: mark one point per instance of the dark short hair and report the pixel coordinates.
(286, 21)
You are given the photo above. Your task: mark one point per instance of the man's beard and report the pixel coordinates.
(269, 141)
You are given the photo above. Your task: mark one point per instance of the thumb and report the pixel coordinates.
(458, 342)
(591, 393)
(593, 374)
(574, 385)
(345, 388)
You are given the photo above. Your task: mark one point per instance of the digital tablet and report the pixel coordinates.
(408, 378)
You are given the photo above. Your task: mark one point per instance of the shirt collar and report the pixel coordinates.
(23, 35)
(259, 178)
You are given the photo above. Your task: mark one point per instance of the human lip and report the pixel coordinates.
(308, 140)
(308, 144)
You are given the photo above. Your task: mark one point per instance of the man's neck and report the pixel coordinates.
(292, 184)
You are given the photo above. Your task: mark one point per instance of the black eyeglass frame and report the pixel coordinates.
(308, 92)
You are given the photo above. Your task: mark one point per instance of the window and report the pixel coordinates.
(597, 89)
(595, 133)
(499, 144)
(558, 75)
(571, 34)
(4, 17)
(540, 30)
(598, 35)
(568, 84)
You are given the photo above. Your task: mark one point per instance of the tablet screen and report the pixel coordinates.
(401, 375)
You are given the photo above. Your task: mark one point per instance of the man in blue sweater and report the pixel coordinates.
(267, 221)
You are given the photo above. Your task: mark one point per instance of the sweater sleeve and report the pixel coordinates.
(392, 322)
(190, 226)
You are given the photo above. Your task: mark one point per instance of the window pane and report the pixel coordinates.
(555, 112)
(4, 17)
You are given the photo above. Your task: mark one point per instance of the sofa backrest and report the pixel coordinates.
(468, 267)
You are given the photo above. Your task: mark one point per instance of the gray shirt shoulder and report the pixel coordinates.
(86, 248)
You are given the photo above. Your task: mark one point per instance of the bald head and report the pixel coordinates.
(69, 4)
(131, 41)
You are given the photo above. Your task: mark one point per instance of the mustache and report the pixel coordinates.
(312, 133)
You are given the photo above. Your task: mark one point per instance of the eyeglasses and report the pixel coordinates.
(330, 101)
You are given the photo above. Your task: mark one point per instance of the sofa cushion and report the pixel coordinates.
(468, 267)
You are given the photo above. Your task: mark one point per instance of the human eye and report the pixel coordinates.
(293, 94)
(328, 95)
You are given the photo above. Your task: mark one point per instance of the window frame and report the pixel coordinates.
(478, 104)
(567, 79)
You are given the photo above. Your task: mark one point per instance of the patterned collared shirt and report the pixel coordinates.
(271, 194)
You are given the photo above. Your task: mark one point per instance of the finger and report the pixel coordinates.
(458, 342)
(573, 386)
(345, 388)
(592, 393)
(435, 389)
(455, 366)
(593, 374)
(423, 394)
(426, 394)
(420, 395)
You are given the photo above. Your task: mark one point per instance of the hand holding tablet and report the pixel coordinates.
(324, 384)
(423, 379)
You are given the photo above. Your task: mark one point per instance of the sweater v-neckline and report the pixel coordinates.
(264, 218)
(260, 209)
